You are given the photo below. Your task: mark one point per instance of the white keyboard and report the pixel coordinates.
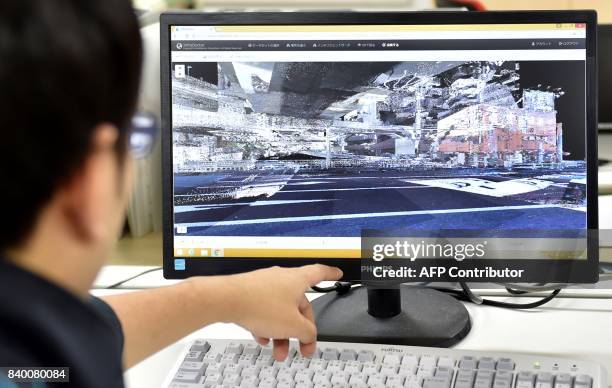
(230, 363)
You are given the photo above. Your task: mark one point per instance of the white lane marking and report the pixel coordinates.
(288, 202)
(486, 187)
(306, 183)
(354, 188)
(364, 215)
(388, 177)
(190, 208)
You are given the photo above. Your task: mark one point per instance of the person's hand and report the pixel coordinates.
(271, 304)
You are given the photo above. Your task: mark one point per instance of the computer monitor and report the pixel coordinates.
(293, 138)
(604, 54)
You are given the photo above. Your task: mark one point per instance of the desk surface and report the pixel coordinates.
(566, 327)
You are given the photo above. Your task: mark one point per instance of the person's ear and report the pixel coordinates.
(88, 198)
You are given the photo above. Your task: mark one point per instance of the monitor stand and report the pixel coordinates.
(401, 315)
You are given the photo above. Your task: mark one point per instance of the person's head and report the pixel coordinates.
(69, 78)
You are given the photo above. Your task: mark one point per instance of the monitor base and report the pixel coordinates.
(418, 317)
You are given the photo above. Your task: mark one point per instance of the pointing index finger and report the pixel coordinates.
(317, 273)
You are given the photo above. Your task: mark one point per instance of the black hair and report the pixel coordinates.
(65, 67)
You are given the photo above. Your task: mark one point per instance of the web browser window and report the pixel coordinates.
(290, 141)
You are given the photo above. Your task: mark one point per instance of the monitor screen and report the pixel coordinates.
(289, 141)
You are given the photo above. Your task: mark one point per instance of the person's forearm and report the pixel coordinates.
(154, 319)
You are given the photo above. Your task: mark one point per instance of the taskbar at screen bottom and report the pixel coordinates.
(395, 271)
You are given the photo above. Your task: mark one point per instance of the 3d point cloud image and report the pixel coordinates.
(332, 148)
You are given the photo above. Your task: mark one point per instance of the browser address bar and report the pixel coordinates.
(517, 34)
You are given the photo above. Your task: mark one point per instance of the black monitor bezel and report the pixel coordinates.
(575, 271)
(604, 32)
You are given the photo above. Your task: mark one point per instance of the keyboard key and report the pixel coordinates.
(194, 356)
(234, 347)
(389, 370)
(268, 371)
(392, 359)
(467, 362)
(446, 361)
(246, 359)
(544, 380)
(425, 371)
(251, 349)
(229, 358)
(340, 378)
(200, 346)
(365, 356)
(212, 380)
(436, 382)
(232, 380)
(353, 367)
(185, 385)
(505, 364)
(413, 382)
(376, 379)
(267, 382)
(348, 355)
(525, 380)
(525, 376)
(335, 365)
(484, 379)
(407, 371)
(487, 363)
(485, 374)
(370, 368)
(192, 366)
(321, 376)
(464, 379)
(286, 373)
(306, 384)
(444, 371)
(358, 378)
(285, 384)
(504, 375)
(395, 380)
(251, 370)
(249, 381)
(266, 351)
(264, 360)
(317, 364)
(233, 369)
(330, 354)
(300, 363)
(187, 377)
(304, 375)
(212, 358)
(427, 361)
(215, 369)
(410, 361)
(563, 380)
(583, 381)
(502, 383)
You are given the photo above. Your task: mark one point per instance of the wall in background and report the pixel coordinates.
(603, 7)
